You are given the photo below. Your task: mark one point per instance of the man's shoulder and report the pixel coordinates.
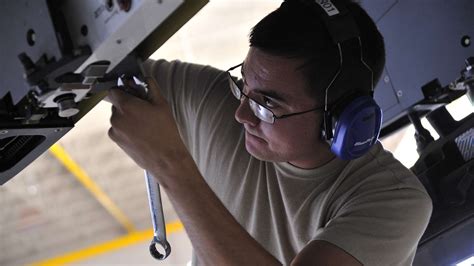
(380, 210)
(380, 165)
(152, 67)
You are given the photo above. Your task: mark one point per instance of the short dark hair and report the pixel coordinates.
(296, 31)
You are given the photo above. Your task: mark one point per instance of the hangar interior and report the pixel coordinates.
(84, 202)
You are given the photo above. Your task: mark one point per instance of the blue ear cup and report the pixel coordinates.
(357, 128)
(357, 122)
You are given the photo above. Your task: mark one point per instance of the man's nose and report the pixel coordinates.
(244, 114)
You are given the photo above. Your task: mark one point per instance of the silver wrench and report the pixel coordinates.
(157, 217)
(139, 89)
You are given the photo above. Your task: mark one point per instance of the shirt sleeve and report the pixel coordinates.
(380, 227)
(201, 103)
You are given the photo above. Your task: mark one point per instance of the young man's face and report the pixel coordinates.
(279, 84)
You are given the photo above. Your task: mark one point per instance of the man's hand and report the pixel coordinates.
(147, 132)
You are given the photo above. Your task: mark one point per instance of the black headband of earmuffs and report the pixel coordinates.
(344, 33)
(352, 123)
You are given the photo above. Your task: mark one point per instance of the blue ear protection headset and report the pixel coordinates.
(352, 124)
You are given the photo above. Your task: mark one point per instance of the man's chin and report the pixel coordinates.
(255, 155)
(258, 148)
(258, 154)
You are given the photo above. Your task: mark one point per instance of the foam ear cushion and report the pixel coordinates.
(357, 128)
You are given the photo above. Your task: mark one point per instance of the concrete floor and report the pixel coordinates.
(138, 254)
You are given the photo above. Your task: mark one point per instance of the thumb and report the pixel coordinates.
(154, 94)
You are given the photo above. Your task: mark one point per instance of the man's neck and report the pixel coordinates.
(322, 157)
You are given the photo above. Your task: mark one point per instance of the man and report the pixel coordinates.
(264, 188)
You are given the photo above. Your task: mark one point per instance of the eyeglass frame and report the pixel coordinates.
(253, 103)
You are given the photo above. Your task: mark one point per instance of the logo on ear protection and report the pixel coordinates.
(360, 143)
(328, 6)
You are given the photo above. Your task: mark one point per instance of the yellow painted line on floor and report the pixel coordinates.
(60, 153)
(108, 246)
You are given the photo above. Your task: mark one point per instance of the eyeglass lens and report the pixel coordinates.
(259, 111)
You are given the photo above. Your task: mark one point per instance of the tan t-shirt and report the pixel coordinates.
(372, 207)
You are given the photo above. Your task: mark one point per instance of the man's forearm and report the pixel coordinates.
(217, 238)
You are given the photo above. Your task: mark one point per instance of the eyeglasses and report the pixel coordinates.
(260, 111)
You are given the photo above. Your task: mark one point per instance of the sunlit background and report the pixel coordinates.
(468, 262)
(48, 216)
